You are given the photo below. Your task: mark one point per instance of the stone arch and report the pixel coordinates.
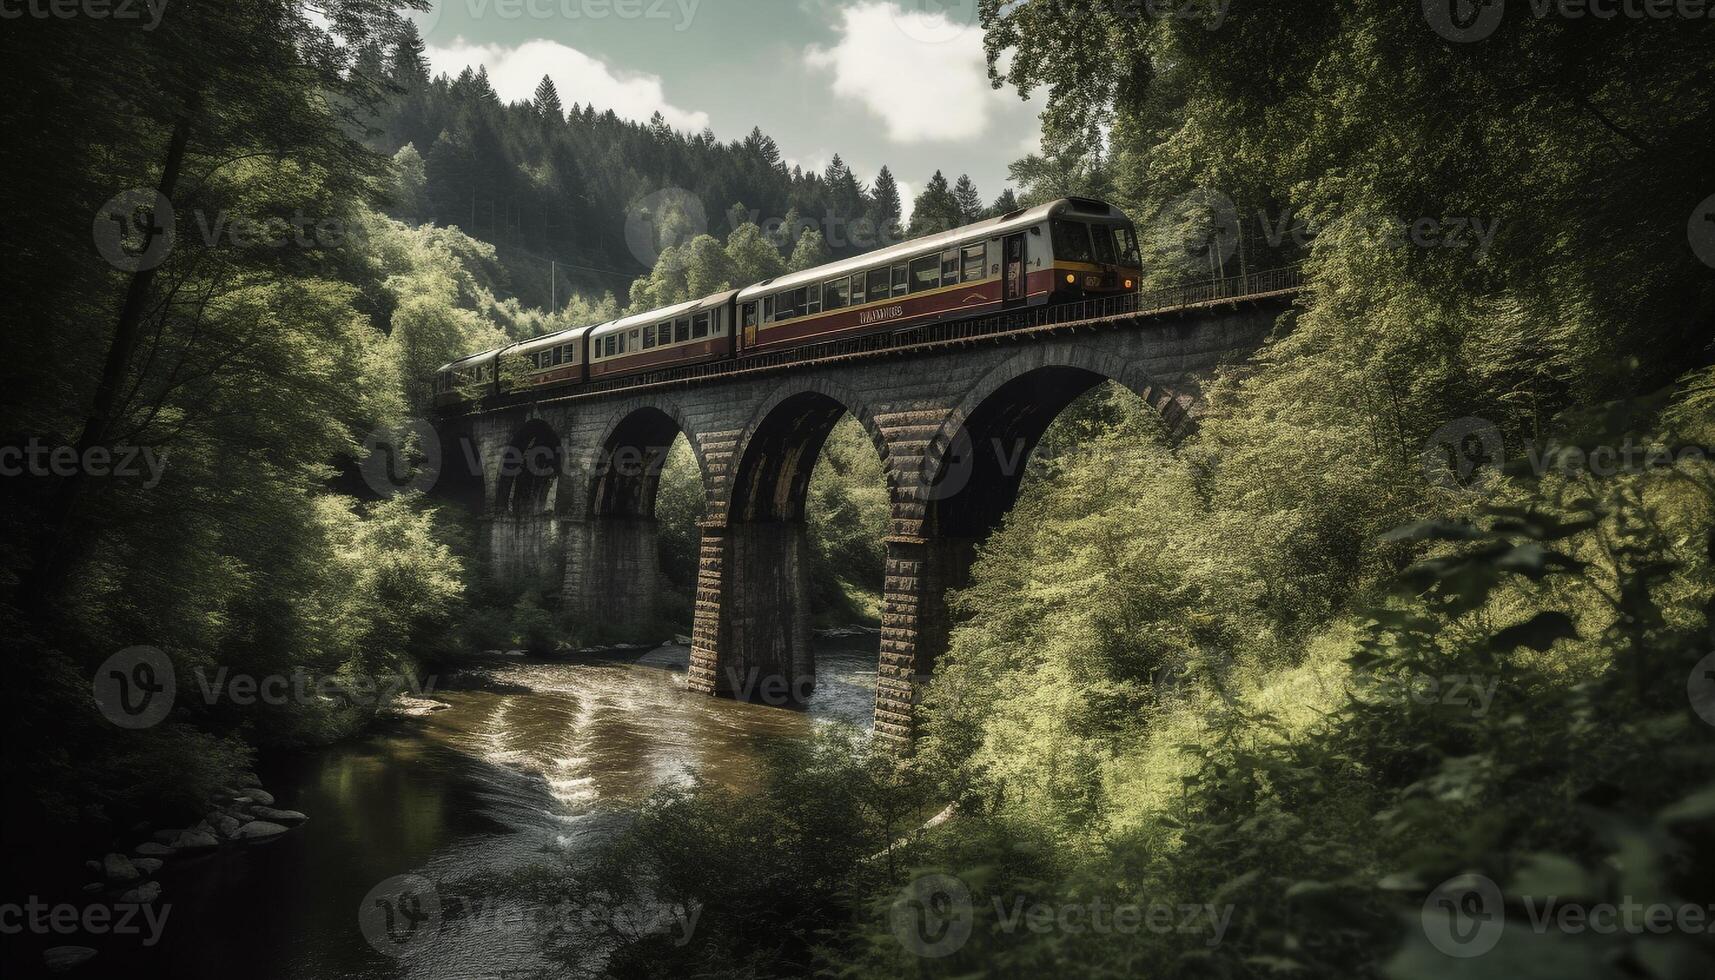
(530, 468)
(757, 646)
(973, 464)
(778, 447)
(625, 469)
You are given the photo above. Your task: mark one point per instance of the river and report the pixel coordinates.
(533, 757)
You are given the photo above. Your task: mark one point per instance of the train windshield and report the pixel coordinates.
(1072, 241)
(1126, 240)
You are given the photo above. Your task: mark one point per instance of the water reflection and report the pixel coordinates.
(532, 757)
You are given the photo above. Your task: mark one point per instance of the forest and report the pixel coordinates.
(1428, 593)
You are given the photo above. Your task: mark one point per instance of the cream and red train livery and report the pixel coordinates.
(1065, 250)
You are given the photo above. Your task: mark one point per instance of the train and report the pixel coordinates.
(1069, 249)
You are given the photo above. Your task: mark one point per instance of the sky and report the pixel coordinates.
(896, 82)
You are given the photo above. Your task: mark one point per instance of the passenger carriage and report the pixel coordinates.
(1067, 250)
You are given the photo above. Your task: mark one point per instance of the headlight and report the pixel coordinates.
(1071, 278)
(1128, 284)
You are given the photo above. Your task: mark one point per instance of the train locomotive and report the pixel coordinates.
(1066, 250)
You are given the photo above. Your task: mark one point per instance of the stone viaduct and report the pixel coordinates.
(952, 419)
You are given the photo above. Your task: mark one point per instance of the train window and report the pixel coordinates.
(1104, 240)
(559, 354)
(950, 267)
(699, 326)
(749, 315)
(571, 354)
(611, 343)
(925, 273)
(901, 279)
(878, 285)
(812, 298)
(648, 337)
(719, 323)
(1072, 241)
(836, 293)
(976, 262)
(860, 290)
(622, 343)
(767, 309)
(1126, 241)
(784, 308)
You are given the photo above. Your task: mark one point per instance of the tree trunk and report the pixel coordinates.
(55, 557)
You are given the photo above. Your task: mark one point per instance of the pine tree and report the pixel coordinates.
(408, 64)
(547, 101)
(936, 208)
(411, 192)
(1006, 203)
(970, 202)
(810, 252)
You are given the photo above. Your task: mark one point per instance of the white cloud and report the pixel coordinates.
(516, 71)
(924, 76)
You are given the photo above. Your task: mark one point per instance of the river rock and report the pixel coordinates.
(142, 895)
(154, 850)
(248, 779)
(59, 959)
(94, 886)
(405, 706)
(195, 840)
(681, 639)
(94, 866)
(279, 816)
(258, 830)
(118, 867)
(148, 865)
(223, 824)
(259, 795)
(166, 836)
